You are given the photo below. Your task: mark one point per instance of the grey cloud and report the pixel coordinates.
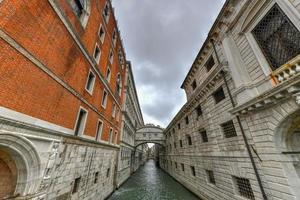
(162, 38)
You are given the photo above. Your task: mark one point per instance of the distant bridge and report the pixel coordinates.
(150, 134)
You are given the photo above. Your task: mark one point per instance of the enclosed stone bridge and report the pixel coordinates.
(150, 134)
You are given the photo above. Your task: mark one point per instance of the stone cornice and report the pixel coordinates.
(285, 90)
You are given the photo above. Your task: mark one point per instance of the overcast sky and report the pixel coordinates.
(162, 39)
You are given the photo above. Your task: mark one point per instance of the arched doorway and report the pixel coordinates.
(8, 174)
(20, 165)
(288, 142)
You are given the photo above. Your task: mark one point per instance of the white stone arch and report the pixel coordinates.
(287, 141)
(26, 159)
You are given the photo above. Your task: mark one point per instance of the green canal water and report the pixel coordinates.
(152, 183)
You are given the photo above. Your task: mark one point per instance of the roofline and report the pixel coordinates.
(206, 40)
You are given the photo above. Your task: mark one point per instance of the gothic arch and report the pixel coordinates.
(26, 159)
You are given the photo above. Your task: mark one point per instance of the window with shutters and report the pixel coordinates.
(278, 37)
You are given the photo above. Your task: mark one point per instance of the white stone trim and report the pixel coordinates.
(101, 39)
(45, 69)
(290, 11)
(92, 84)
(81, 133)
(23, 118)
(104, 101)
(80, 45)
(27, 160)
(97, 59)
(110, 135)
(99, 135)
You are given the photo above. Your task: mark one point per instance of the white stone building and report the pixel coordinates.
(132, 119)
(237, 137)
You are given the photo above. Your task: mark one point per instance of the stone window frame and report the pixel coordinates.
(114, 110)
(210, 177)
(99, 131)
(84, 17)
(81, 132)
(119, 85)
(98, 56)
(106, 17)
(110, 135)
(189, 139)
(290, 11)
(114, 37)
(116, 137)
(104, 99)
(102, 38)
(237, 188)
(108, 74)
(210, 58)
(76, 185)
(89, 86)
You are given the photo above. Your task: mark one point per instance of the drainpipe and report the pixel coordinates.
(242, 130)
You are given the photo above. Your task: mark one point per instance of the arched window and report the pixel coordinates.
(119, 84)
(81, 9)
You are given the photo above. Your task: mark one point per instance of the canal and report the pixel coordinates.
(151, 183)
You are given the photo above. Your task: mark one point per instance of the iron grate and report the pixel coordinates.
(278, 37)
(228, 129)
(244, 188)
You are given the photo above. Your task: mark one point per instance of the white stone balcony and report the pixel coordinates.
(287, 71)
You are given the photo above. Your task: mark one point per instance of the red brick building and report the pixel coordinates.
(62, 67)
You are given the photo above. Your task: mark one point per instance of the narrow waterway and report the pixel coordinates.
(151, 183)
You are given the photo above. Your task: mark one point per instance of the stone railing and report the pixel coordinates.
(287, 71)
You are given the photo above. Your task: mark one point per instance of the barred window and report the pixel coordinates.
(219, 95)
(243, 186)
(210, 63)
(204, 136)
(228, 129)
(278, 37)
(182, 166)
(210, 177)
(199, 110)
